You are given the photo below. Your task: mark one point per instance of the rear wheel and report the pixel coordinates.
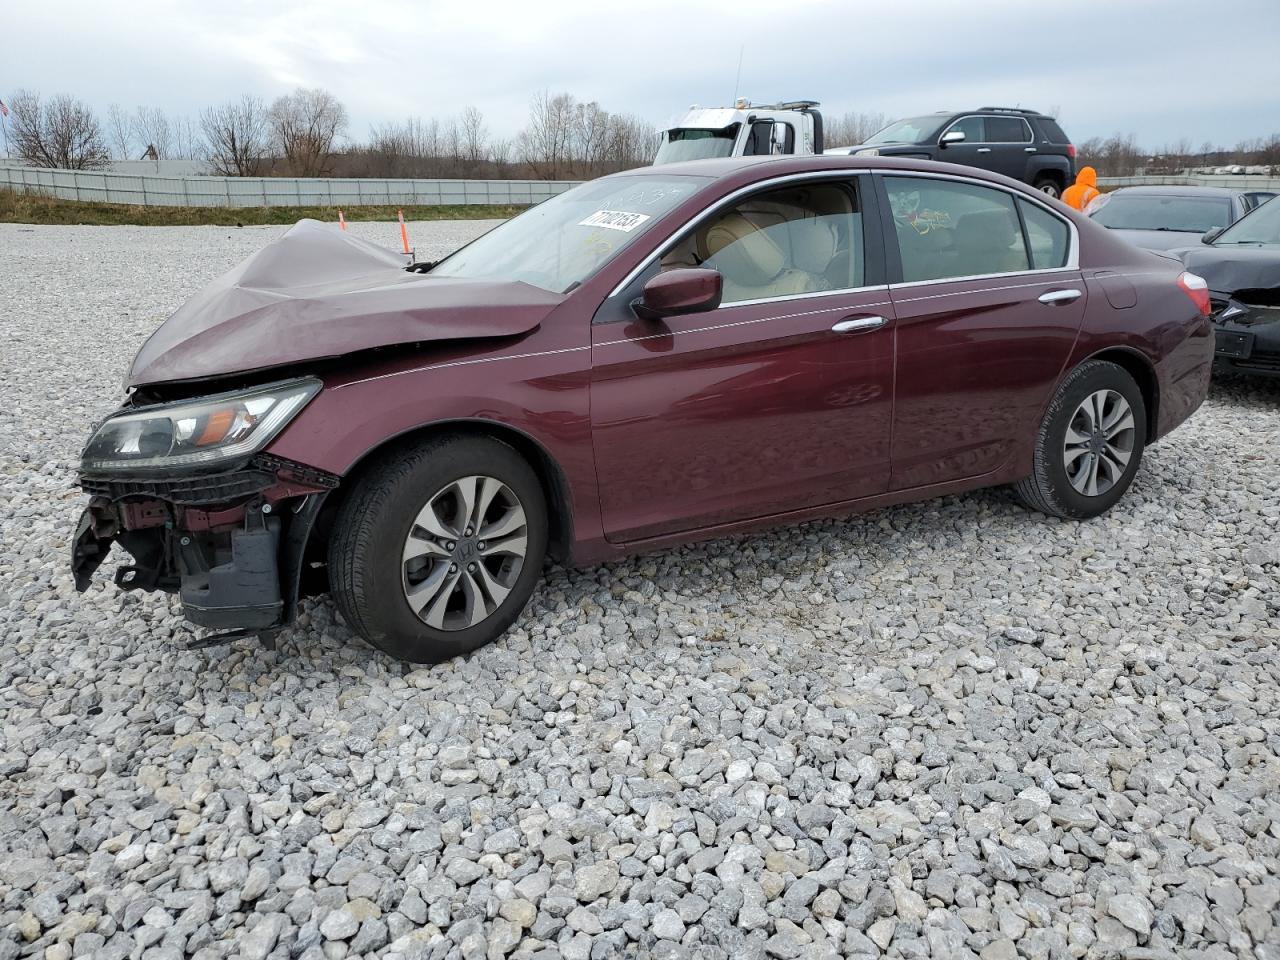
(1049, 186)
(438, 548)
(1090, 443)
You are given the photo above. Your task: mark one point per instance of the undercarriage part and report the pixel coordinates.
(268, 638)
(239, 591)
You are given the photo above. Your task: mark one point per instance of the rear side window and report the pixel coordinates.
(1007, 130)
(947, 228)
(1052, 132)
(1048, 236)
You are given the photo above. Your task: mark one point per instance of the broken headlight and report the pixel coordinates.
(190, 433)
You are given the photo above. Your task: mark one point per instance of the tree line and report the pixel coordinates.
(306, 133)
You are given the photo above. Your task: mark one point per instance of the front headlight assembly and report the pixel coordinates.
(204, 432)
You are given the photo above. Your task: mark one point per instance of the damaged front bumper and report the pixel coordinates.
(1247, 337)
(232, 545)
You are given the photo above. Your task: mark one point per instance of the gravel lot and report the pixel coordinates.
(946, 730)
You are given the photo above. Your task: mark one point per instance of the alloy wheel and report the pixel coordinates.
(464, 553)
(1049, 189)
(1099, 443)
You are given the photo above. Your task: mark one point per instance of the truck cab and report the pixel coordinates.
(743, 130)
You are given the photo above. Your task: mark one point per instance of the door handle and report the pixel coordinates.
(859, 324)
(1060, 296)
(984, 149)
(1028, 149)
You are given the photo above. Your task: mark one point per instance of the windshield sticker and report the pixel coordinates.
(615, 220)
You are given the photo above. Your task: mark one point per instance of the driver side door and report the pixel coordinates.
(779, 400)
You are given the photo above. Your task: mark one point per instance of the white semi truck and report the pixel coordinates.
(743, 130)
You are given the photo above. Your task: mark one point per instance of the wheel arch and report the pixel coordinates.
(550, 474)
(1143, 371)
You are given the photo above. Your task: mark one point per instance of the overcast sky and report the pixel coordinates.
(1161, 69)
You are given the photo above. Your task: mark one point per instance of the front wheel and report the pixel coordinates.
(1049, 187)
(1089, 445)
(438, 548)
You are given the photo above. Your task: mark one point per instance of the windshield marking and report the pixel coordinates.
(615, 220)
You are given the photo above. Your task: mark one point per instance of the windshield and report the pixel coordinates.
(915, 130)
(1260, 226)
(1157, 212)
(565, 240)
(685, 144)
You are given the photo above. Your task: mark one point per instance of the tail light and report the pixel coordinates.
(1071, 150)
(1196, 288)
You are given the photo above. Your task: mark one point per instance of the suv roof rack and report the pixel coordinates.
(1030, 113)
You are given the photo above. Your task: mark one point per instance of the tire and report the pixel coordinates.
(1061, 457)
(378, 526)
(1049, 187)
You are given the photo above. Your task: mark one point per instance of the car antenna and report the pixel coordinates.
(737, 80)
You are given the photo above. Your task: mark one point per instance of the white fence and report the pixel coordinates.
(270, 191)
(1232, 181)
(152, 190)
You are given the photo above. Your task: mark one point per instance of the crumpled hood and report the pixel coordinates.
(319, 292)
(1227, 269)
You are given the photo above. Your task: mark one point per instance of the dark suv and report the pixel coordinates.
(1022, 144)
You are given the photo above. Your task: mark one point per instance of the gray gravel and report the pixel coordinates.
(954, 729)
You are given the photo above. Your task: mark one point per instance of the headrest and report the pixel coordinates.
(743, 251)
(986, 230)
(813, 244)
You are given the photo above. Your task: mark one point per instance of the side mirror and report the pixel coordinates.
(684, 290)
(1211, 235)
(951, 136)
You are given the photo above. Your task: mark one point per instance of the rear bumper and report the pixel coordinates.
(1247, 338)
(231, 546)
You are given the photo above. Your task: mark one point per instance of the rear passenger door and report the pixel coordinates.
(988, 302)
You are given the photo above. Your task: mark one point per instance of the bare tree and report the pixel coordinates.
(306, 124)
(852, 128)
(475, 138)
(152, 130)
(236, 135)
(120, 132)
(61, 133)
(188, 144)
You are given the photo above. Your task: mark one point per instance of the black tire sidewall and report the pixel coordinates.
(1041, 182)
(384, 612)
(1101, 375)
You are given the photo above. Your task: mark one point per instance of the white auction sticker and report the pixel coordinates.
(615, 220)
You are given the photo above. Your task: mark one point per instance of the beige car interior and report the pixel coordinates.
(778, 244)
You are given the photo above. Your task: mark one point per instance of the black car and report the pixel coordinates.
(1022, 144)
(1241, 264)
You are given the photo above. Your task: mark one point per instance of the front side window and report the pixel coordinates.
(1048, 236)
(971, 127)
(563, 241)
(779, 243)
(1007, 130)
(947, 228)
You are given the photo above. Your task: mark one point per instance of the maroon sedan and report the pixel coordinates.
(663, 355)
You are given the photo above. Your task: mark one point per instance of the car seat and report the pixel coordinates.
(988, 241)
